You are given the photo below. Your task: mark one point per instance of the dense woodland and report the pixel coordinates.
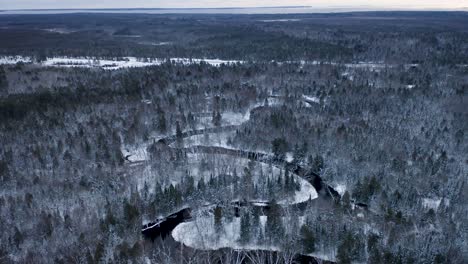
(391, 139)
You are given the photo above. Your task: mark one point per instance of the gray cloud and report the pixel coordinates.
(51, 4)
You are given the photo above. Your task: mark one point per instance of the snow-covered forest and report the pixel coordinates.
(311, 138)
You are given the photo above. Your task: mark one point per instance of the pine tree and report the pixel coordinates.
(3, 80)
(308, 239)
(218, 218)
(245, 228)
(317, 165)
(99, 252)
(216, 119)
(247, 182)
(201, 185)
(274, 225)
(345, 200)
(162, 121)
(279, 147)
(349, 249)
(178, 131)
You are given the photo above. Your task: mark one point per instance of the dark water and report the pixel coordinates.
(163, 227)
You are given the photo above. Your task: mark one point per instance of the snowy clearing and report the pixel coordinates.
(14, 59)
(135, 154)
(201, 234)
(113, 64)
(211, 139)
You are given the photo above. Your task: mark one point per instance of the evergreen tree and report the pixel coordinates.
(345, 200)
(274, 225)
(3, 80)
(349, 248)
(245, 228)
(216, 119)
(162, 127)
(218, 219)
(317, 164)
(279, 147)
(307, 239)
(178, 131)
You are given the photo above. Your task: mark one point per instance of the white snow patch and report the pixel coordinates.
(135, 153)
(289, 157)
(213, 62)
(201, 234)
(161, 43)
(58, 30)
(340, 188)
(210, 139)
(306, 192)
(147, 260)
(14, 59)
(273, 101)
(311, 99)
(327, 255)
(233, 118)
(113, 64)
(430, 203)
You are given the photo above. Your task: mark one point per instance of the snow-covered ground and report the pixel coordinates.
(234, 118)
(324, 254)
(112, 64)
(431, 203)
(14, 59)
(212, 139)
(311, 99)
(306, 192)
(135, 154)
(201, 234)
(340, 188)
(128, 62)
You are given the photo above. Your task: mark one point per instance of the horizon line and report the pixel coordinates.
(367, 7)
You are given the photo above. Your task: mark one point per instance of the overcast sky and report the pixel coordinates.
(378, 4)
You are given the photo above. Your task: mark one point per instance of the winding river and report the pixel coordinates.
(165, 226)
